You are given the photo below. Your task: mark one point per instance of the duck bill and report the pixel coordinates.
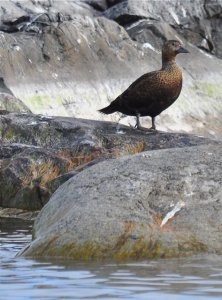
(182, 50)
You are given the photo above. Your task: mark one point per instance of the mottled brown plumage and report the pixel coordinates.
(153, 92)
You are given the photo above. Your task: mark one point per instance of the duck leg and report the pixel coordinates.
(118, 123)
(153, 127)
(138, 125)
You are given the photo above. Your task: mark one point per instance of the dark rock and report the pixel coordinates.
(99, 5)
(124, 15)
(151, 34)
(38, 154)
(217, 36)
(4, 112)
(10, 103)
(17, 21)
(9, 28)
(113, 2)
(13, 218)
(213, 8)
(4, 88)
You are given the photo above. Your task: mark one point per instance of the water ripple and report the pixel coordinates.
(176, 279)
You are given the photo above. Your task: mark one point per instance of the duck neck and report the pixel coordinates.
(168, 62)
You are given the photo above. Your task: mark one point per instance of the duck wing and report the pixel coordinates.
(151, 93)
(144, 91)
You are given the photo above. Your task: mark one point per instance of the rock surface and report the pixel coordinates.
(67, 58)
(11, 215)
(125, 200)
(11, 104)
(196, 21)
(70, 58)
(38, 153)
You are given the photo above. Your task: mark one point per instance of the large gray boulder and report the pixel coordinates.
(117, 209)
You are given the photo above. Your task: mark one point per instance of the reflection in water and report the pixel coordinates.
(176, 279)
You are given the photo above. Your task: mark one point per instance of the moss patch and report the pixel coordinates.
(211, 89)
(41, 103)
(125, 249)
(91, 251)
(192, 245)
(10, 133)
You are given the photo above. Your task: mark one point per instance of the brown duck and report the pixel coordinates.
(153, 92)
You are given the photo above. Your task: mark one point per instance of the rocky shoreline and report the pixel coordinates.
(98, 191)
(105, 193)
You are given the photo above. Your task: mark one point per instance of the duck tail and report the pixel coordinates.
(108, 109)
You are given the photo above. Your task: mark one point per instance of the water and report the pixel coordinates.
(175, 279)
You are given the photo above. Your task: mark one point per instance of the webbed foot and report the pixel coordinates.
(148, 130)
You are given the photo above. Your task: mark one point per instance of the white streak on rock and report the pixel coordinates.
(55, 75)
(174, 15)
(207, 54)
(120, 132)
(134, 24)
(184, 12)
(17, 48)
(170, 214)
(149, 46)
(32, 123)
